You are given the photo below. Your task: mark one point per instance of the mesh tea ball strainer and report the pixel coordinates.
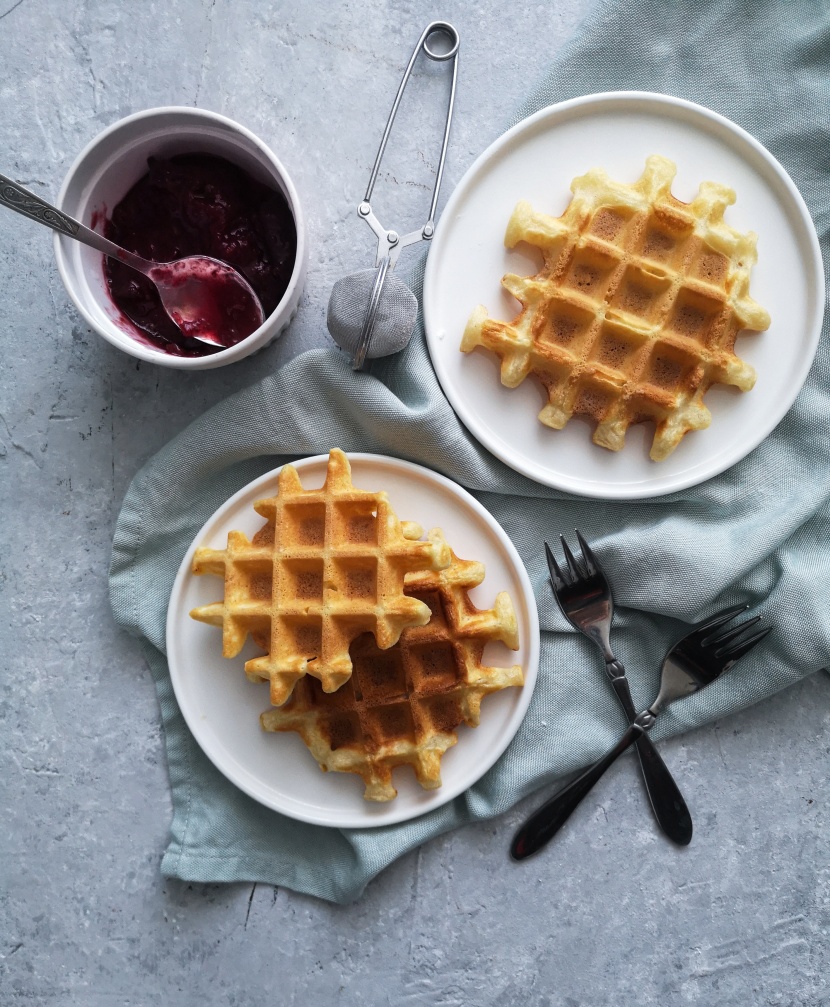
(372, 313)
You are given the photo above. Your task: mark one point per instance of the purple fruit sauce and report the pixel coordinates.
(199, 204)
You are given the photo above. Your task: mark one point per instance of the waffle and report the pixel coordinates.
(328, 566)
(635, 311)
(402, 706)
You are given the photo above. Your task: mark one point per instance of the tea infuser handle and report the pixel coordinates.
(371, 315)
(389, 242)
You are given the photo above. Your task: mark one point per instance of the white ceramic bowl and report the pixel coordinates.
(108, 167)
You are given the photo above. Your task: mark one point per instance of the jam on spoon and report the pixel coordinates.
(200, 205)
(207, 301)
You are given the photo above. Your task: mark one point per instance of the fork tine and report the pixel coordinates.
(716, 620)
(556, 578)
(739, 649)
(573, 566)
(588, 559)
(721, 639)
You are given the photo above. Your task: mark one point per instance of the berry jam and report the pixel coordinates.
(198, 204)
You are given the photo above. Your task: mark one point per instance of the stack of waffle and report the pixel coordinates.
(373, 649)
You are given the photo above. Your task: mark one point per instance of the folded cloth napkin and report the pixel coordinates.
(758, 533)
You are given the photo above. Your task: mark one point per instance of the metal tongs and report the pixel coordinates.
(390, 243)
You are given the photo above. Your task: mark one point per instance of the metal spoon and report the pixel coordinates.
(206, 298)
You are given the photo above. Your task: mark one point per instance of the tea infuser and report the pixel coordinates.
(371, 313)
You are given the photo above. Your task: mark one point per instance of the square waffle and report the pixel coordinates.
(328, 565)
(402, 706)
(636, 309)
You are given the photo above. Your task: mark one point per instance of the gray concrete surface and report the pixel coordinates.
(611, 915)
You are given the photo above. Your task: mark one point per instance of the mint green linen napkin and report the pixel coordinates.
(758, 533)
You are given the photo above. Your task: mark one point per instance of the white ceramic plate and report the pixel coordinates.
(536, 161)
(222, 708)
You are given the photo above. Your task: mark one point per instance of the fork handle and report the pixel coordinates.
(543, 824)
(667, 802)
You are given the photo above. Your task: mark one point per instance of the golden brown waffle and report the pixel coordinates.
(635, 311)
(403, 705)
(328, 566)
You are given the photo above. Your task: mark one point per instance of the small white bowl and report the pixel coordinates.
(110, 165)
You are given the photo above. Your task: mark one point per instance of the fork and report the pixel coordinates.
(692, 663)
(585, 599)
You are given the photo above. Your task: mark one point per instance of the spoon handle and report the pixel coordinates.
(543, 824)
(15, 197)
(22, 201)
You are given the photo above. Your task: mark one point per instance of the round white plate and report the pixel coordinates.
(536, 161)
(222, 708)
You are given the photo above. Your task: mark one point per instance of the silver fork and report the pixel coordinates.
(693, 663)
(584, 596)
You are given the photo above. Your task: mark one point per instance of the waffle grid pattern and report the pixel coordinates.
(328, 566)
(635, 312)
(402, 706)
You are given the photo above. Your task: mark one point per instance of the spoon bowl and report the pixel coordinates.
(208, 300)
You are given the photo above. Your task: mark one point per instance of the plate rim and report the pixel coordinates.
(445, 793)
(814, 273)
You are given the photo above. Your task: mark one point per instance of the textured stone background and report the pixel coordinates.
(611, 914)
